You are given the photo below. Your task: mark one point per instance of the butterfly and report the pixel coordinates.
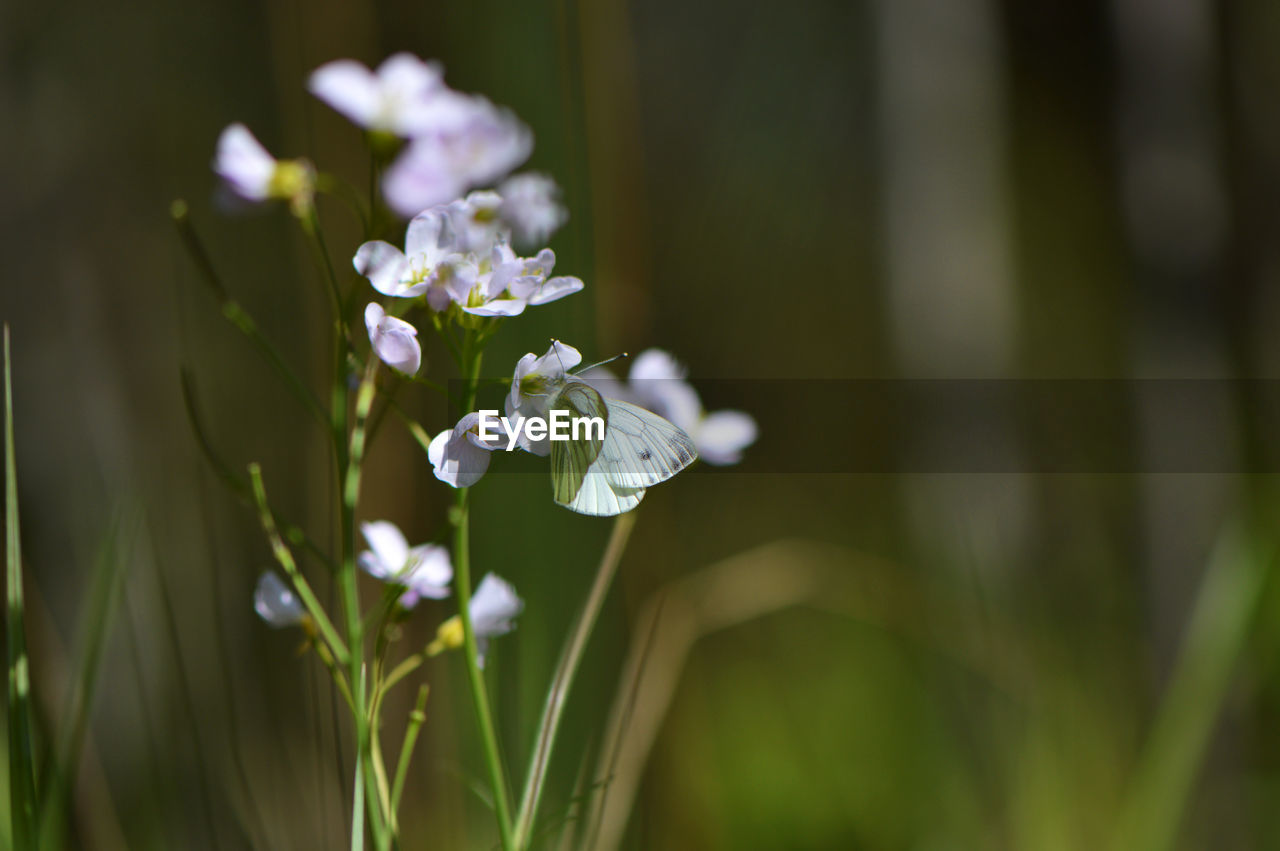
(604, 477)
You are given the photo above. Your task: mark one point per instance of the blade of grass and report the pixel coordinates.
(1216, 635)
(101, 605)
(558, 693)
(22, 772)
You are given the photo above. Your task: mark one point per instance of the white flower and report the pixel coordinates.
(405, 96)
(394, 340)
(276, 603)
(458, 456)
(530, 206)
(505, 284)
(532, 385)
(456, 254)
(253, 174)
(494, 607)
(429, 263)
(478, 145)
(533, 284)
(424, 570)
(656, 381)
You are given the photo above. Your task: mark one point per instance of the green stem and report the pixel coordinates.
(286, 560)
(462, 582)
(566, 670)
(416, 719)
(235, 314)
(348, 457)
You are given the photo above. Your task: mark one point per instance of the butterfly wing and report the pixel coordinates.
(571, 459)
(641, 448)
(600, 498)
(609, 477)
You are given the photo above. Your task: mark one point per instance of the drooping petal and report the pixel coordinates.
(387, 269)
(244, 163)
(455, 459)
(348, 87)
(276, 603)
(394, 340)
(721, 436)
(555, 288)
(388, 549)
(499, 307)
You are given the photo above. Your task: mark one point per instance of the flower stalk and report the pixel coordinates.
(471, 355)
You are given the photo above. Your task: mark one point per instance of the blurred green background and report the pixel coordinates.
(815, 190)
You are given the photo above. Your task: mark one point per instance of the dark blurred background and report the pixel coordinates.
(812, 191)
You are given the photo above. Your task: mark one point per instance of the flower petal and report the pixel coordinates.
(531, 207)
(499, 307)
(276, 603)
(455, 460)
(431, 571)
(655, 364)
(421, 177)
(494, 607)
(388, 546)
(554, 289)
(427, 235)
(723, 435)
(386, 267)
(348, 87)
(393, 340)
(243, 163)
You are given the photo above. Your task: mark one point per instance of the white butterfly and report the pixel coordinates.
(593, 475)
(607, 477)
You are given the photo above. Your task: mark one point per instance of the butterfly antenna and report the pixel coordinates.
(605, 362)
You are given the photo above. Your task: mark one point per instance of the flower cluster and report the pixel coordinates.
(473, 254)
(458, 256)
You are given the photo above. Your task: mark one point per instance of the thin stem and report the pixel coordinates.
(285, 558)
(236, 315)
(462, 582)
(416, 720)
(349, 456)
(566, 670)
(311, 225)
(233, 480)
(357, 797)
